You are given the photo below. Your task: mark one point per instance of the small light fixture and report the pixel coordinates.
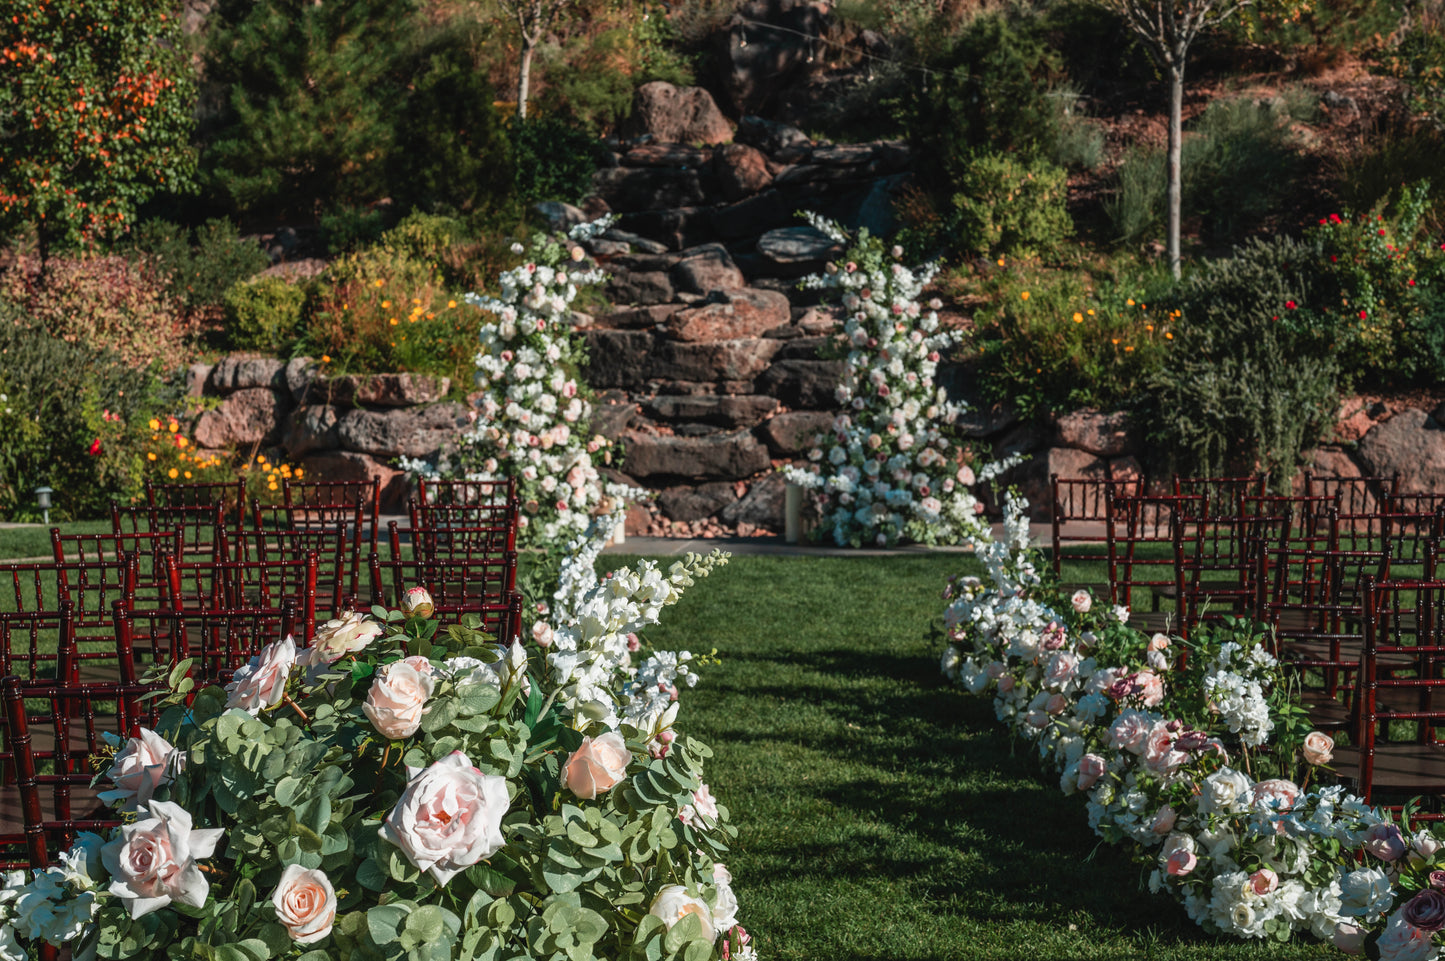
(42, 501)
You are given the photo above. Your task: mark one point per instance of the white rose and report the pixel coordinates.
(725, 906)
(305, 903)
(152, 861)
(396, 700)
(337, 638)
(673, 903)
(1365, 893)
(449, 817)
(262, 682)
(144, 764)
(1081, 601)
(1226, 791)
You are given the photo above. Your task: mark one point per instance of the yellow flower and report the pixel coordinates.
(1000, 261)
(150, 455)
(271, 486)
(1090, 311)
(187, 475)
(173, 473)
(298, 473)
(1129, 302)
(1025, 295)
(451, 303)
(379, 283)
(175, 426)
(260, 458)
(386, 305)
(181, 442)
(155, 424)
(392, 321)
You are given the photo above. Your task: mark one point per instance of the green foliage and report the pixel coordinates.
(265, 314)
(1419, 60)
(310, 99)
(1372, 174)
(552, 160)
(74, 418)
(1010, 206)
(1242, 393)
(1236, 166)
(992, 95)
(346, 228)
(95, 114)
(592, 79)
(200, 263)
(1323, 29)
(107, 303)
(451, 150)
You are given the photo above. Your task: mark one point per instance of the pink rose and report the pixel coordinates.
(673, 903)
(1163, 821)
(1263, 881)
(152, 861)
(1181, 861)
(305, 903)
(995, 670)
(1129, 731)
(1159, 642)
(262, 682)
(1318, 748)
(1056, 704)
(1437, 880)
(1150, 688)
(1349, 938)
(1425, 910)
(1159, 753)
(596, 766)
(339, 637)
(1276, 795)
(417, 602)
(1091, 768)
(702, 811)
(1005, 684)
(1385, 842)
(543, 634)
(395, 704)
(1423, 847)
(142, 765)
(1082, 601)
(449, 817)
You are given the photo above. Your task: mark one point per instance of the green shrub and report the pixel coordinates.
(1242, 393)
(346, 228)
(1419, 60)
(552, 160)
(1369, 176)
(202, 263)
(265, 314)
(1011, 206)
(74, 418)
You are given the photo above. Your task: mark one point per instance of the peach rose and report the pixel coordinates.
(1150, 688)
(596, 766)
(339, 637)
(262, 682)
(1091, 768)
(305, 903)
(1180, 862)
(1163, 821)
(449, 817)
(144, 764)
(395, 704)
(1263, 881)
(673, 903)
(1082, 601)
(152, 861)
(1318, 748)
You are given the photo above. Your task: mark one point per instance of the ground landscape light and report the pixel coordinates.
(42, 501)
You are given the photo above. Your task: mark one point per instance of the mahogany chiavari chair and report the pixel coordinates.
(1084, 503)
(272, 537)
(1142, 550)
(431, 493)
(1415, 502)
(434, 516)
(91, 588)
(457, 565)
(150, 547)
(200, 524)
(1222, 495)
(1362, 500)
(1218, 558)
(228, 495)
(326, 503)
(253, 585)
(52, 753)
(218, 641)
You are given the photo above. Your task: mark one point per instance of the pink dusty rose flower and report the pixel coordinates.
(1006, 684)
(449, 817)
(1437, 880)
(1263, 881)
(1082, 601)
(1181, 861)
(1159, 753)
(262, 682)
(702, 811)
(142, 765)
(152, 861)
(1349, 938)
(1056, 704)
(1385, 842)
(1276, 794)
(1159, 642)
(1163, 821)
(1129, 732)
(1318, 748)
(543, 634)
(596, 766)
(1426, 910)
(305, 903)
(673, 903)
(339, 637)
(1423, 847)
(397, 700)
(417, 602)
(1150, 688)
(1091, 768)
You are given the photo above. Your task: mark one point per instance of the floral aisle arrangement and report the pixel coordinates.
(1203, 771)
(888, 470)
(402, 791)
(534, 420)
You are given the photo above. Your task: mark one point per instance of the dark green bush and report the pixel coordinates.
(266, 314)
(1242, 393)
(346, 228)
(552, 160)
(1010, 206)
(201, 263)
(1402, 154)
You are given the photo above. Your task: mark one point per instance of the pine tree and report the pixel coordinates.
(310, 93)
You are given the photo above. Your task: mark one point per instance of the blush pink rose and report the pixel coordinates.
(1005, 684)
(1349, 938)
(1318, 748)
(702, 811)
(1276, 795)
(1163, 821)
(1091, 768)
(397, 699)
(305, 903)
(339, 637)
(262, 682)
(1128, 732)
(142, 765)
(673, 903)
(598, 765)
(449, 817)
(1159, 642)
(1180, 863)
(1150, 688)
(1082, 601)
(152, 861)
(1385, 842)
(1263, 881)
(1056, 704)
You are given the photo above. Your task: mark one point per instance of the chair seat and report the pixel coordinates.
(1400, 767)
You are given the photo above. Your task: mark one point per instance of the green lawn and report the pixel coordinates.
(882, 814)
(35, 541)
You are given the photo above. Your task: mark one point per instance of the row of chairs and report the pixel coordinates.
(86, 626)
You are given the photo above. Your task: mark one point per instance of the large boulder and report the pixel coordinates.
(771, 137)
(741, 171)
(719, 456)
(247, 417)
(404, 432)
(803, 383)
(802, 248)
(722, 410)
(345, 465)
(647, 188)
(676, 115)
(640, 288)
(240, 373)
(790, 434)
(1413, 443)
(311, 428)
(385, 390)
(1105, 434)
(731, 314)
(761, 506)
(741, 359)
(705, 269)
(694, 502)
(618, 358)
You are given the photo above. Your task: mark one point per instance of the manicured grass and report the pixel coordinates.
(882, 814)
(18, 542)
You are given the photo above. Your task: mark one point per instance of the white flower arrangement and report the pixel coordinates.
(1165, 756)
(888, 471)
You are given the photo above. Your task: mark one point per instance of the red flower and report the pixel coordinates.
(94, 447)
(1381, 231)
(1290, 305)
(1363, 315)
(1410, 282)
(1334, 218)
(1333, 258)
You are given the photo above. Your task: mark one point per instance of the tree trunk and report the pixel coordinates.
(1176, 138)
(524, 75)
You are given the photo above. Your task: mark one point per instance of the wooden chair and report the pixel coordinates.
(149, 548)
(457, 565)
(275, 535)
(433, 517)
(1217, 556)
(1142, 552)
(44, 587)
(253, 585)
(51, 754)
(326, 503)
(1222, 495)
(1084, 501)
(466, 493)
(199, 524)
(218, 641)
(228, 495)
(1415, 502)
